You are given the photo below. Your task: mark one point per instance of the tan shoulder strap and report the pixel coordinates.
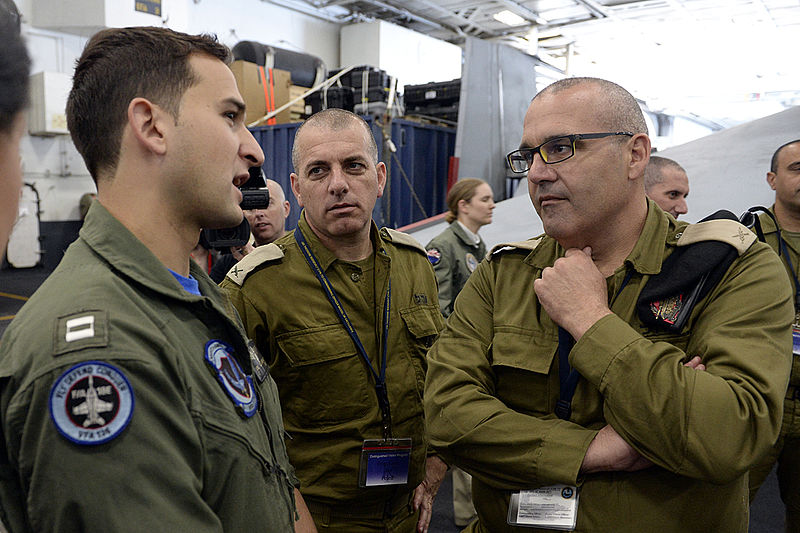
(262, 254)
(723, 230)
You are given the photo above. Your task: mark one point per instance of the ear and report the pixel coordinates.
(771, 179)
(381, 169)
(146, 121)
(640, 155)
(287, 208)
(294, 179)
(462, 205)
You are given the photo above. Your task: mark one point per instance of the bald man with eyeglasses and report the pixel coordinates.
(586, 378)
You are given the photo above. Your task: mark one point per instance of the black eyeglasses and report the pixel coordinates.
(553, 151)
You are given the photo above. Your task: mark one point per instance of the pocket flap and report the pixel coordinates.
(519, 349)
(316, 345)
(423, 320)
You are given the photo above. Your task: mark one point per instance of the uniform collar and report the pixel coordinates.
(767, 224)
(324, 256)
(465, 235)
(647, 254)
(113, 242)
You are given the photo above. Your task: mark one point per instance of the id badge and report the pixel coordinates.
(553, 507)
(796, 339)
(384, 462)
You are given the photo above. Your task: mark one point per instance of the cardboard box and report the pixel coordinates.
(299, 107)
(263, 90)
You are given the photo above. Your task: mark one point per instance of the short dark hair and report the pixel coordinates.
(620, 110)
(14, 66)
(773, 166)
(118, 65)
(335, 119)
(653, 172)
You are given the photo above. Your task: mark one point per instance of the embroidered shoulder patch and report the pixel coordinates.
(434, 256)
(91, 403)
(238, 385)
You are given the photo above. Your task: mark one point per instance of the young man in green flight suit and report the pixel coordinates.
(130, 397)
(345, 313)
(784, 178)
(651, 426)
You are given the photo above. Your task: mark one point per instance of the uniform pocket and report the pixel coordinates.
(521, 363)
(326, 380)
(423, 322)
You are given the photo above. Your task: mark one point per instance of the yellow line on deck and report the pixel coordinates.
(14, 296)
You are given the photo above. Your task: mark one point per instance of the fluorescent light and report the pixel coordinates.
(509, 19)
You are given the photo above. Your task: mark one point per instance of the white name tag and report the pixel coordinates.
(553, 507)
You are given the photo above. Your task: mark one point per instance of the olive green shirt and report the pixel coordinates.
(326, 389)
(454, 257)
(493, 383)
(792, 241)
(187, 460)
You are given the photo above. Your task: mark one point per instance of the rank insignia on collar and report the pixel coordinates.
(91, 403)
(667, 310)
(238, 385)
(434, 256)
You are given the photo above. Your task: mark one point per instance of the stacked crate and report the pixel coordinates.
(437, 99)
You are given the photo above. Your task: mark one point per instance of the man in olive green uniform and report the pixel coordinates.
(568, 406)
(345, 314)
(784, 178)
(130, 399)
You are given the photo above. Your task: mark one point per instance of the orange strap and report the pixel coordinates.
(272, 96)
(270, 105)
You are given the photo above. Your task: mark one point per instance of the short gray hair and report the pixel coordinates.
(334, 119)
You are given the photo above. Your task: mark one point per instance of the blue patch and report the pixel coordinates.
(91, 403)
(238, 385)
(434, 256)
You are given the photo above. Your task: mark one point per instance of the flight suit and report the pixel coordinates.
(493, 384)
(786, 451)
(454, 257)
(112, 418)
(326, 389)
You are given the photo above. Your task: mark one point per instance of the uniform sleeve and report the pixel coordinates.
(711, 424)
(470, 426)
(149, 477)
(444, 276)
(253, 320)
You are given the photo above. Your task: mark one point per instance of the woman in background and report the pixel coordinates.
(456, 251)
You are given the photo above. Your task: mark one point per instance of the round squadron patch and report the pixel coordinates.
(434, 256)
(91, 403)
(472, 263)
(238, 385)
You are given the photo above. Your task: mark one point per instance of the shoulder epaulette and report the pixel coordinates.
(262, 254)
(722, 230)
(530, 245)
(398, 237)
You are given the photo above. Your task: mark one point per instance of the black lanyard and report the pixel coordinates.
(785, 251)
(380, 379)
(567, 376)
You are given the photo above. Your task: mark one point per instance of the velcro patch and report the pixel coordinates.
(85, 329)
(239, 386)
(91, 403)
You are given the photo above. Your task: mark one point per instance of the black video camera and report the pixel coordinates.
(254, 196)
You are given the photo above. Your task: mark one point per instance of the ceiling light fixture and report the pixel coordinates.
(508, 18)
